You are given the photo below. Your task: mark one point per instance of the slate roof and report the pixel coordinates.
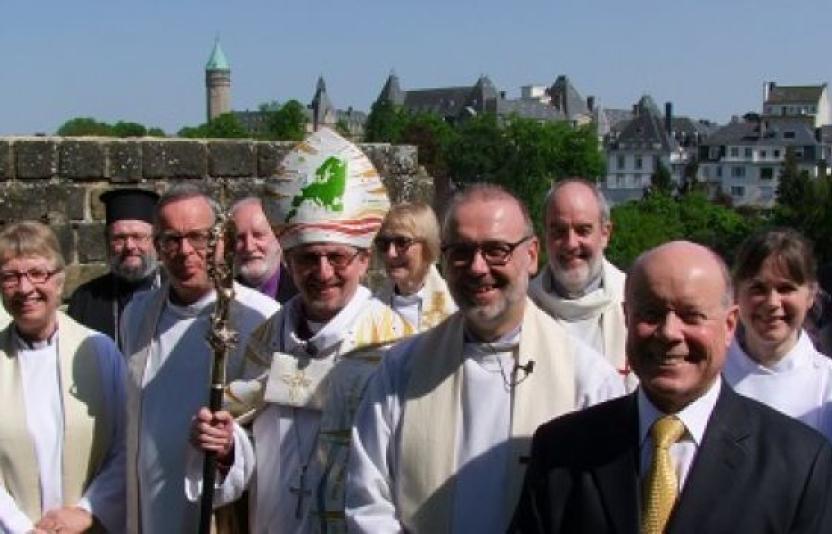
(530, 109)
(566, 98)
(748, 133)
(645, 131)
(392, 91)
(444, 101)
(321, 105)
(795, 94)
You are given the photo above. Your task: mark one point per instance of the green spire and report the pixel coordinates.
(217, 60)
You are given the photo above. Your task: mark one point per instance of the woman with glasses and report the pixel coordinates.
(772, 358)
(408, 244)
(62, 399)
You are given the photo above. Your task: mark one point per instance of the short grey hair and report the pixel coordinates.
(245, 202)
(484, 191)
(603, 205)
(184, 191)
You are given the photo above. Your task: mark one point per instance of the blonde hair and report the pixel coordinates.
(30, 239)
(418, 221)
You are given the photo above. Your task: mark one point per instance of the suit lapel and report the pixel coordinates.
(721, 454)
(617, 479)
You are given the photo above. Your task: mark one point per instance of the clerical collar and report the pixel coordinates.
(505, 343)
(193, 309)
(562, 292)
(24, 344)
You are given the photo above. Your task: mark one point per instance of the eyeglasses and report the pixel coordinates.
(495, 253)
(400, 242)
(120, 240)
(36, 277)
(337, 259)
(172, 241)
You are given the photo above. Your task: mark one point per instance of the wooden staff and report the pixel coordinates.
(221, 339)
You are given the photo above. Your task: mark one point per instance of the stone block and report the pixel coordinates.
(82, 159)
(76, 203)
(78, 274)
(22, 202)
(269, 156)
(36, 158)
(92, 244)
(230, 159)
(65, 240)
(174, 159)
(239, 189)
(125, 161)
(5, 159)
(62, 202)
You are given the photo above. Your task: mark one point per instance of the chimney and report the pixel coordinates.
(590, 103)
(668, 116)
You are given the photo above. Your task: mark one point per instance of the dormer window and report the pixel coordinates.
(788, 134)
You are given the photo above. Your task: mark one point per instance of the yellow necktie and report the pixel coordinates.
(660, 485)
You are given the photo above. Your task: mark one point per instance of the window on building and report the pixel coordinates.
(734, 152)
(621, 161)
(638, 162)
(620, 180)
(788, 134)
(738, 172)
(719, 171)
(776, 153)
(747, 152)
(766, 173)
(713, 152)
(737, 191)
(763, 154)
(706, 171)
(798, 152)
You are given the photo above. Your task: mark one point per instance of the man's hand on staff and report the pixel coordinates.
(214, 432)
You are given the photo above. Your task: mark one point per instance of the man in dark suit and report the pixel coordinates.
(733, 466)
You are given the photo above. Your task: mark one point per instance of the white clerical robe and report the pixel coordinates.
(170, 368)
(427, 307)
(596, 318)
(44, 413)
(285, 496)
(483, 432)
(799, 385)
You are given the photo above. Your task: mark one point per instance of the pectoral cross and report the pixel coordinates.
(300, 492)
(297, 383)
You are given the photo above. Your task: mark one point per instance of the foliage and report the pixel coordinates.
(384, 123)
(288, 123)
(343, 128)
(660, 180)
(642, 224)
(226, 126)
(85, 126)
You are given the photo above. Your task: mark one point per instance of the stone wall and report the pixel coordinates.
(59, 180)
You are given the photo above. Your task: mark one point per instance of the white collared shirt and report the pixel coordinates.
(694, 416)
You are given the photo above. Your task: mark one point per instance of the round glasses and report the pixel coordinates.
(339, 260)
(36, 277)
(400, 243)
(495, 253)
(172, 241)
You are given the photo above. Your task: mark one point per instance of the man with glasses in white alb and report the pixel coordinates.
(444, 428)
(169, 360)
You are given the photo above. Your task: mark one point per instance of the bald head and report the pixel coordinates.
(680, 322)
(577, 233)
(677, 254)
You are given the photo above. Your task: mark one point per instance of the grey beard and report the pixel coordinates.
(147, 268)
(592, 283)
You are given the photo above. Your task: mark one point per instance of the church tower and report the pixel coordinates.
(217, 83)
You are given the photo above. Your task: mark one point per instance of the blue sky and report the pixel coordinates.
(143, 61)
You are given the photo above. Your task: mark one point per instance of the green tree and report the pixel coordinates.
(287, 123)
(384, 123)
(226, 126)
(128, 129)
(83, 126)
(660, 180)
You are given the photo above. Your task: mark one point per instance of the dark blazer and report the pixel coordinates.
(757, 471)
